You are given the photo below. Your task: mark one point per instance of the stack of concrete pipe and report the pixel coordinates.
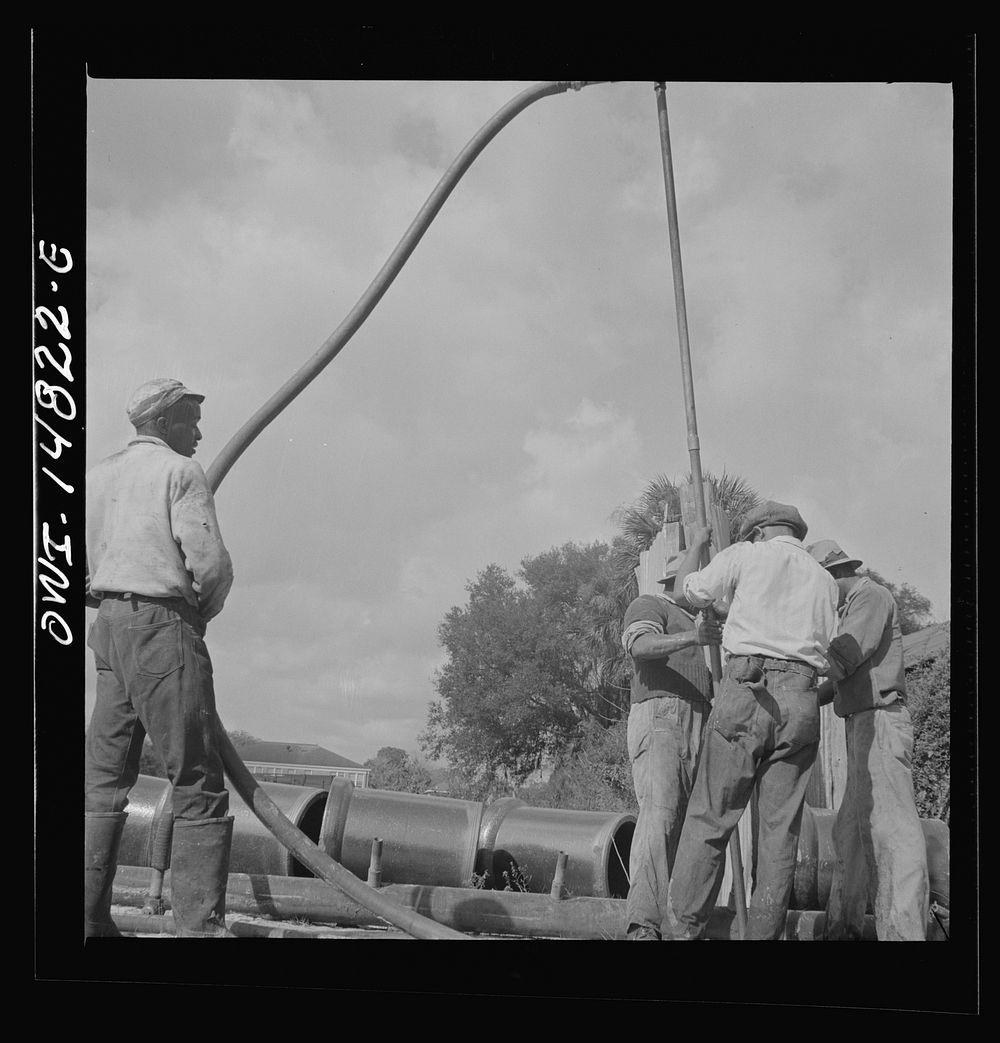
(425, 839)
(440, 856)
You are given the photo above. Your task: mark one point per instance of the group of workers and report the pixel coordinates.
(159, 571)
(793, 614)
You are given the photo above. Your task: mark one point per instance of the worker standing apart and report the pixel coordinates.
(158, 571)
(881, 853)
(763, 730)
(671, 697)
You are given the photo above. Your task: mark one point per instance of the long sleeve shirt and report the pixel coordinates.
(152, 528)
(866, 656)
(783, 604)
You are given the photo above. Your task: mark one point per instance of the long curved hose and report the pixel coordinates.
(329, 349)
(248, 788)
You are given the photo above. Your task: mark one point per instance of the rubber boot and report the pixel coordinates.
(102, 838)
(199, 872)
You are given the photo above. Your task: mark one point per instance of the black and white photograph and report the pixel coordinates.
(507, 509)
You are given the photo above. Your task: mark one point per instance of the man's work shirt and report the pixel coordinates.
(783, 603)
(152, 529)
(866, 656)
(682, 673)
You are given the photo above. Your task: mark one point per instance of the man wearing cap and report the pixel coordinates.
(159, 572)
(877, 836)
(671, 696)
(763, 730)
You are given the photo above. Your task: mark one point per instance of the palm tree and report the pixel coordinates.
(660, 502)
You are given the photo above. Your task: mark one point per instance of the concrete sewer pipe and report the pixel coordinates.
(426, 840)
(445, 842)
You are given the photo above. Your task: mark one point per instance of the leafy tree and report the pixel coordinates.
(393, 769)
(928, 689)
(239, 738)
(520, 680)
(914, 608)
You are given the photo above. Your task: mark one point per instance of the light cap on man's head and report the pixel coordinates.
(770, 512)
(829, 553)
(155, 397)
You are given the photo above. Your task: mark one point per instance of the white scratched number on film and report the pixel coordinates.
(55, 402)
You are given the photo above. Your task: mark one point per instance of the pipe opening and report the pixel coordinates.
(618, 857)
(310, 823)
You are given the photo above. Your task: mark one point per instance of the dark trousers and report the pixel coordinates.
(154, 676)
(762, 733)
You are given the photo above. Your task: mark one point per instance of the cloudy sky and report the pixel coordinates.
(521, 379)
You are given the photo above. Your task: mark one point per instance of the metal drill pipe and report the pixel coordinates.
(694, 448)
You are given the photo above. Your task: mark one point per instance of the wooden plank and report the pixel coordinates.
(833, 743)
(745, 832)
(673, 537)
(720, 522)
(716, 517)
(653, 562)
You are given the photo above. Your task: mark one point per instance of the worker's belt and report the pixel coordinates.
(742, 667)
(128, 595)
(180, 605)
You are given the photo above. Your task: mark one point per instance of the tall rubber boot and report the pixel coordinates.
(199, 872)
(102, 838)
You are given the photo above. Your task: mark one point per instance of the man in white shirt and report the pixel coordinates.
(158, 571)
(763, 730)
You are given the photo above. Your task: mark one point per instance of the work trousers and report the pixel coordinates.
(154, 676)
(762, 733)
(664, 736)
(881, 854)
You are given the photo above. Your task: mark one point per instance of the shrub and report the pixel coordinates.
(929, 700)
(596, 777)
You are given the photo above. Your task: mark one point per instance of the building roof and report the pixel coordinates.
(925, 644)
(305, 753)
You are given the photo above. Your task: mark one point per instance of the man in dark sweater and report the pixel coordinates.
(671, 697)
(878, 840)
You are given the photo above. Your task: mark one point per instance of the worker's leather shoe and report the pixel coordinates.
(102, 838)
(199, 872)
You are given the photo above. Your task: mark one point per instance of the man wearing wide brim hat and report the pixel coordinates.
(158, 572)
(671, 693)
(763, 731)
(877, 836)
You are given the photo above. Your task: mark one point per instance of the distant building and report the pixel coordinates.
(300, 763)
